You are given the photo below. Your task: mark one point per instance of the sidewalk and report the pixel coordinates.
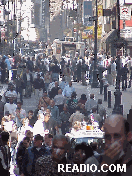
(126, 98)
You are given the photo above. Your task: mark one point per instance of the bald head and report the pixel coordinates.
(116, 130)
(114, 123)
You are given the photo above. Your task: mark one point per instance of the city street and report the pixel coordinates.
(126, 99)
(30, 104)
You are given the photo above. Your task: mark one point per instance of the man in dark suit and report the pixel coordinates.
(28, 79)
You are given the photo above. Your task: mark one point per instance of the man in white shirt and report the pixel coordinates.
(11, 94)
(59, 100)
(11, 107)
(68, 90)
(22, 111)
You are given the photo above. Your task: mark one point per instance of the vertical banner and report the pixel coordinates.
(100, 10)
(87, 12)
(99, 31)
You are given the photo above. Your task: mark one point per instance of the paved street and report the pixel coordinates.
(126, 99)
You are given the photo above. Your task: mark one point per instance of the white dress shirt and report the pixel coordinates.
(10, 107)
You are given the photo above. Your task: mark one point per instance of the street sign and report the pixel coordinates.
(125, 13)
(87, 12)
(128, 2)
(126, 33)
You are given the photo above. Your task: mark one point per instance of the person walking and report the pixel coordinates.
(28, 80)
(3, 70)
(5, 155)
(124, 72)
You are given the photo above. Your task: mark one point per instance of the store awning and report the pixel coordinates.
(109, 36)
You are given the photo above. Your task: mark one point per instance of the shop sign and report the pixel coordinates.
(126, 33)
(88, 32)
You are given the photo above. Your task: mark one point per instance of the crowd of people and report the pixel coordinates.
(35, 142)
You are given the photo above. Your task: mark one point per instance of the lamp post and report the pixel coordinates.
(118, 108)
(95, 81)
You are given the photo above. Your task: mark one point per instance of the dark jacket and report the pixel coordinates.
(30, 65)
(38, 83)
(25, 79)
(6, 157)
(55, 69)
(124, 72)
(50, 125)
(30, 158)
(20, 156)
(53, 92)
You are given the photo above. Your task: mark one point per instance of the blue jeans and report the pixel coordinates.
(46, 86)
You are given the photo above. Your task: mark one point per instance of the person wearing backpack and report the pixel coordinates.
(32, 154)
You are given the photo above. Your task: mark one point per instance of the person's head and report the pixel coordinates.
(73, 96)
(27, 70)
(4, 137)
(48, 111)
(99, 101)
(116, 129)
(65, 108)
(26, 142)
(56, 83)
(29, 134)
(59, 91)
(52, 103)
(48, 139)
(30, 114)
(94, 146)
(94, 109)
(81, 153)
(38, 139)
(11, 100)
(70, 83)
(125, 65)
(19, 104)
(60, 146)
(78, 108)
(83, 97)
(91, 96)
(46, 117)
(11, 88)
(45, 94)
(86, 119)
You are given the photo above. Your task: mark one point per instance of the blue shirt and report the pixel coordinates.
(7, 61)
(68, 91)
